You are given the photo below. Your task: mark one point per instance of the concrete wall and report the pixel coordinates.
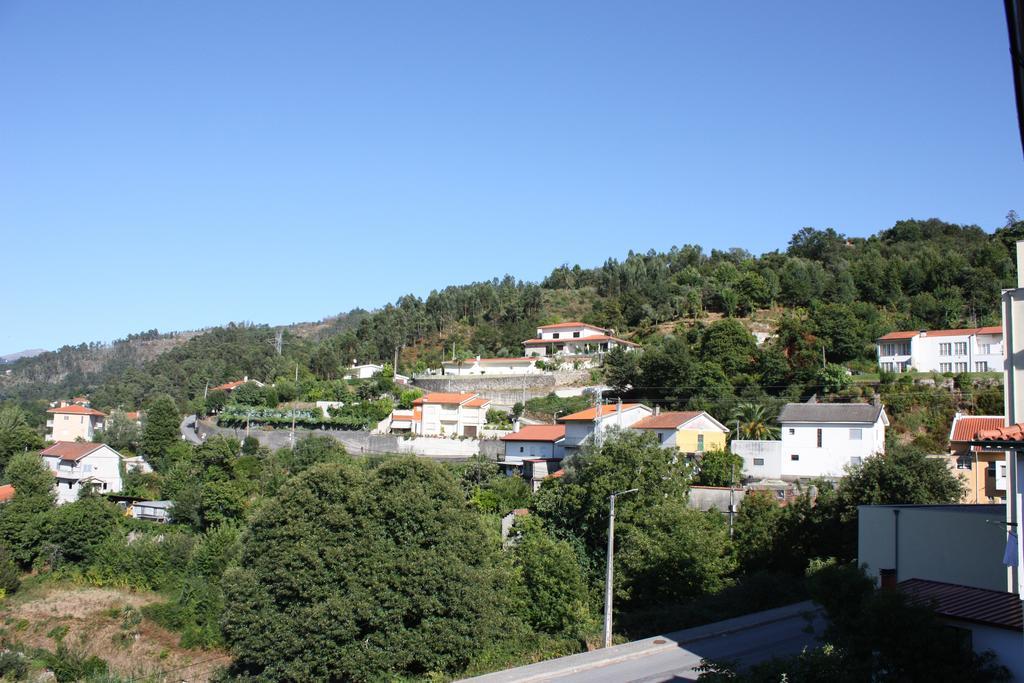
(367, 443)
(950, 543)
(761, 459)
(503, 391)
(705, 498)
(1005, 643)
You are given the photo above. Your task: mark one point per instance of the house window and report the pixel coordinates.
(856, 434)
(963, 462)
(888, 367)
(520, 449)
(758, 462)
(700, 443)
(856, 460)
(945, 349)
(819, 438)
(554, 336)
(961, 367)
(67, 417)
(575, 335)
(981, 366)
(990, 471)
(795, 456)
(792, 431)
(945, 367)
(86, 468)
(985, 348)
(960, 349)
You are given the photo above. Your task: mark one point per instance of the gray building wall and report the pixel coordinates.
(950, 543)
(704, 498)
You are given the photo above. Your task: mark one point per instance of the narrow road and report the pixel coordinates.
(188, 430)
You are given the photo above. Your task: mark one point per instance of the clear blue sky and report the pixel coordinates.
(184, 164)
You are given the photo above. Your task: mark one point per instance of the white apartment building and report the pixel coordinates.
(818, 440)
(581, 426)
(491, 366)
(574, 339)
(976, 349)
(73, 422)
(448, 414)
(77, 464)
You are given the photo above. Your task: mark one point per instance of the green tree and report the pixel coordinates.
(730, 345)
(160, 430)
(15, 433)
(719, 468)
(215, 401)
(834, 378)
(120, 432)
(753, 423)
(248, 394)
(78, 529)
(354, 575)
(23, 520)
(312, 450)
(757, 530)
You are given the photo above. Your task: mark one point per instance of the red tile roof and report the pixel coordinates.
(71, 450)
(966, 427)
(908, 334)
(977, 605)
(558, 326)
(442, 397)
(903, 334)
(550, 433)
(557, 475)
(1011, 434)
(668, 420)
(229, 386)
(478, 402)
(6, 493)
(76, 410)
(591, 413)
(593, 338)
(492, 360)
(994, 329)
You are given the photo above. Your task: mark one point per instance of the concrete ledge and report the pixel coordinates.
(553, 668)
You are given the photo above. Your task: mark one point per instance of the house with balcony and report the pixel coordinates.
(818, 440)
(447, 414)
(77, 464)
(574, 339)
(592, 424)
(690, 432)
(976, 349)
(72, 422)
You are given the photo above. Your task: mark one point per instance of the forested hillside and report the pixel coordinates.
(824, 291)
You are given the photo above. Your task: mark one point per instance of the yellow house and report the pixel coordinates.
(690, 431)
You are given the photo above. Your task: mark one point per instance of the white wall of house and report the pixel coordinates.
(451, 418)
(825, 448)
(363, 371)
(761, 459)
(948, 543)
(102, 465)
(1005, 643)
(517, 451)
(564, 333)
(501, 366)
(578, 431)
(967, 352)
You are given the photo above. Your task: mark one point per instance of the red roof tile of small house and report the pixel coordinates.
(593, 338)
(667, 420)
(76, 410)
(443, 397)
(478, 402)
(966, 427)
(902, 334)
(557, 475)
(606, 411)
(966, 603)
(6, 492)
(71, 450)
(1011, 434)
(229, 386)
(909, 334)
(550, 433)
(558, 326)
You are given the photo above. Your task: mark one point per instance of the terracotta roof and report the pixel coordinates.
(6, 493)
(668, 420)
(550, 433)
(133, 415)
(592, 338)
(76, 410)
(1011, 434)
(606, 411)
(442, 397)
(478, 402)
(71, 450)
(557, 475)
(228, 386)
(558, 326)
(966, 427)
(994, 329)
(490, 360)
(905, 334)
(977, 605)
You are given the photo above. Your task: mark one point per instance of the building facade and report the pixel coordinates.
(977, 349)
(594, 422)
(689, 431)
(491, 366)
(73, 422)
(449, 414)
(982, 470)
(78, 464)
(574, 339)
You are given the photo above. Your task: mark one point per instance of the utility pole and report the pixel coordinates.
(293, 404)
(732, 496)
(278, 341)
(610, 568)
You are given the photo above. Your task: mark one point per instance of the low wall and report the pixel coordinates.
(706, 498)
(503, 390)
(366, 442)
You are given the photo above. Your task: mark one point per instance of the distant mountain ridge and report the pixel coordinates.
(27, 353)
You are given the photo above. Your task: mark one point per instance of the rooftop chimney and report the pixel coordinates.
(887, 579)
(657, 410)
(515, 426)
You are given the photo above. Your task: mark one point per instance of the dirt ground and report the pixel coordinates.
(101, 622)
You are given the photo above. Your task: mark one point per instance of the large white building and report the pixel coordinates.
(446, 414)
(574, 339)
(72, 422)
(76, 464)
(491, 366)
(818, 440)
(977, 349)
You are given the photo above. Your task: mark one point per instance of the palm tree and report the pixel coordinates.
(751, 420)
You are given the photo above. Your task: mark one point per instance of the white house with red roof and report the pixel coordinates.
(524, 365)
(574, 339)
(975, 349)
(228, 387)
(448, 414)
(691, 431)
(76, 464)
(72, 422)
(534, 452)
(581, 427)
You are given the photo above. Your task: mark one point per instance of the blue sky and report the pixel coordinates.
(179, 165)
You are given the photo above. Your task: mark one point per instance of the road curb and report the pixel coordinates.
(585, 661)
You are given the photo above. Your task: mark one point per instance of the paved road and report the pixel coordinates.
(187, 429)
(672, 657)
(750, 646)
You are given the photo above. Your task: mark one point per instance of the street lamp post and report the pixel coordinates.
(610, 569)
